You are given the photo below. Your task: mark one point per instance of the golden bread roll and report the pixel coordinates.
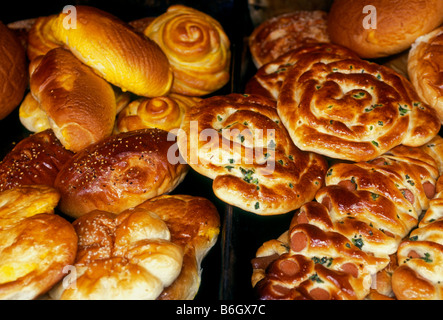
(31, 116)
(194, 224)
(35, 244)
(103, 42)
(340, 245)
(420, 256)
(239, 142)
(80, 105)
(164, 112)
(35, 160)
(268, 79)
(352, 109)
(197, 47)
(13, 71)
(425, 69)
(285, 32)
(119, 173)
(124, 256)
(381, 28)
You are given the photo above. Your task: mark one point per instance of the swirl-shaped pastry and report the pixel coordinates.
(35, 244)
(338, 244)
(240, 142)
(165, 112)
(124, 256)
(197, 47)
(420, 256)
(269, 78)
(425, 68)
(352, 109)
(280, 34)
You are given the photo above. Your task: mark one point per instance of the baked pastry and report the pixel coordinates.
(197, 47)
(35, 160)
(119, 173)
(268, 79)
(102, 41)
(32, 116)
(280, 34)
(165, 112)
(239, 142)
(80, 105)
(381, 28)
(420, 256)
(35, 244)
(425, 65)
(124, 256)
(194, 224)
(339, 243)
(352, 109)
(13, 71)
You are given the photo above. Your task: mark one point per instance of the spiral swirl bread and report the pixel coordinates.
(119, 173)
(103, 42)
(194, 224)
(338, 244)
(269, 78)
(165, 112)
(425, 65)
(124, 256)
(35, 243)
(36, 159)
(352, 109)
(280, 34)
(197, 47)
(420, 256)
(249, 155)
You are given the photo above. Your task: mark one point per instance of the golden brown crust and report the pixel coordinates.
(352, 109)
(425, 69)
(80, 105)
(194, 224)
(13, 71)
(341, 245)
(164, 112)
(240, 142)
(36, 244)
(119, 172)
(36, 159)
(390, 29)
(197, 48)
(269, 78)
(286, 32)
(143, 67)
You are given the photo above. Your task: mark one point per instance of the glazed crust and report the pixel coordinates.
(239, 142)
(352, 109)
(119, 173)
(35, 243)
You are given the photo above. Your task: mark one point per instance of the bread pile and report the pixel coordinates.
(84, 209)
(372, 230)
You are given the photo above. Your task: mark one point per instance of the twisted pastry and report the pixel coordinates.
(102, 41)
(338, 244)
(165, 112)
(35, 244)
(420, 256)
(250, 156)
(197, 47)
(124, 256)
(269, 77)
(352, 109)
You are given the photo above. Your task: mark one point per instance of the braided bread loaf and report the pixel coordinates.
(240, 142)
(337, 245)
(420, 256)
(352, 109)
